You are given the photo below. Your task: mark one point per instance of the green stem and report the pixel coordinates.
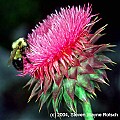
(87, 110)
(81, 94)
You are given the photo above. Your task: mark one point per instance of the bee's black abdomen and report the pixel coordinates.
(18, 64)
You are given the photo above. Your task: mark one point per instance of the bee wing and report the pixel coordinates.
(12, 55)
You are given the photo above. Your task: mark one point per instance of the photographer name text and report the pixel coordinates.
(60, 115)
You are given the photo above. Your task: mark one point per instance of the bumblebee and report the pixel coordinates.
(18, 52)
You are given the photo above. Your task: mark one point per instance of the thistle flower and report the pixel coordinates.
(66, 64)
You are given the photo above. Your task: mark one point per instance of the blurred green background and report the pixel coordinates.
(17, 19)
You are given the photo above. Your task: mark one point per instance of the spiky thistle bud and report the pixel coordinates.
(66, 64)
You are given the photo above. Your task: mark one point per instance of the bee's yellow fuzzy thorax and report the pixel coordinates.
(19, 43)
